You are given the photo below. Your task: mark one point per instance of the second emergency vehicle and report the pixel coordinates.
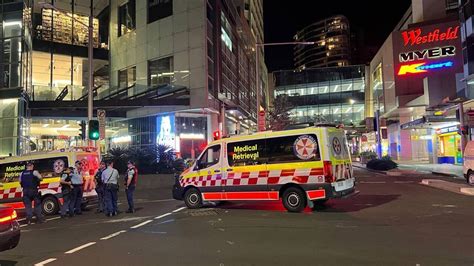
(302, 167)
(50, 165)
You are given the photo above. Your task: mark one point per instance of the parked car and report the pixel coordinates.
(9, 228)
(468, 165)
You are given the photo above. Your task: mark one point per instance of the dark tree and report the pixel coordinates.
(279, 115)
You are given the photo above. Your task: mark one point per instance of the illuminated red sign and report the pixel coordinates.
(422, 67)
(416, 36)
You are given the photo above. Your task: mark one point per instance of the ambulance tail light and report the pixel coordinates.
(328, 174)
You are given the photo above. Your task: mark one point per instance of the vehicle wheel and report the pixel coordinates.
(470, 178)
(192, 198)
(294, 199)
(49, 205)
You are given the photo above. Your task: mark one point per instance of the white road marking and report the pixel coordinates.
(161, 216)
(54, 218)
(79, 248)
(23, 225)
(177, 210)
(113, 235)
(141, 224)
(372, 182)
(44, 262)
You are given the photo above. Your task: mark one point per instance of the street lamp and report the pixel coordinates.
(257, 72)
(89, 52)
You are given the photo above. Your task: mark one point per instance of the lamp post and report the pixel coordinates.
(257, 72)
(90, 50)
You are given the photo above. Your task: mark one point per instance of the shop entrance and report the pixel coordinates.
(449, 148)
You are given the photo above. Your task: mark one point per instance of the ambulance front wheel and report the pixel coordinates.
(192, 198)
(49, 205)
(294, 199)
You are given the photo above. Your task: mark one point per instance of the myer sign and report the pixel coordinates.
(423, 51)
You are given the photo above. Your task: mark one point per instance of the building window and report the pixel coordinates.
(126, 18)
(226, 32)
(158, 9)
(127, 77)
(160, 71)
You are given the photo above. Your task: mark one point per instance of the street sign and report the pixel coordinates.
(101, 118)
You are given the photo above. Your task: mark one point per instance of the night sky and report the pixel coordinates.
(283, 18)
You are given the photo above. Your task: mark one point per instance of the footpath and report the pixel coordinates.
(445, 177)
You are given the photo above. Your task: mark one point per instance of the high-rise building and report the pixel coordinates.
(166, 72)
(253, 11)
(15, 78)
(465, 14)
(331, 37)
(415, 80)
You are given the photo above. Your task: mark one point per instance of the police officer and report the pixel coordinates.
(130, 184)
(100, 187)
(77, 191)
(110, 178)
(30, 180)
(66, 189)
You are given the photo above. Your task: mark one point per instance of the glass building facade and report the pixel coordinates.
(15, 78)
(333, 95)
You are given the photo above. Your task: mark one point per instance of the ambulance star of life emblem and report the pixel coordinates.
(305, 147)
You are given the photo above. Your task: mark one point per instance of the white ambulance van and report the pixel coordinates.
(302, 167)
(50, 165)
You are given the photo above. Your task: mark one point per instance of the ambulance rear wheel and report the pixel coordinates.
(49, 205)
(192, 198)
(294, 199)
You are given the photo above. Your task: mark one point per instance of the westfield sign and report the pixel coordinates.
(417, 36)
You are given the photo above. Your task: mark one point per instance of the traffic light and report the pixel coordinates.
(82, 133)
(94, 133)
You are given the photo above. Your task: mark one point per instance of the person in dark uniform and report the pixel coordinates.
(77, 191)
(66, 190)
(130, 184)
(30, 180)
(100, 187)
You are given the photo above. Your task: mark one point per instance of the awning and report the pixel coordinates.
(434, 122)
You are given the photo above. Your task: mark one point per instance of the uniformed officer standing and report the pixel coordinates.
(100, 187)
(66, 190)
(77, 191)
(30, 180)
(110, 179)
(130, 184)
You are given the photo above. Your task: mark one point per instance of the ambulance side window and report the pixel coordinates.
(209, 158)
(251, 152)
(290, 149)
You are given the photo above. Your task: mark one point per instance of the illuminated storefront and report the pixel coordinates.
(449, 145)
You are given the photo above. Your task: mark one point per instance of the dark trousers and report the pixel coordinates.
(111, 199)
(31, 195)
(66, 203)
(76, 200)
(129, 191)
(100, 195)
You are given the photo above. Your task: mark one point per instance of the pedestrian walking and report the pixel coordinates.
(130, 184)
(110, 178)
(30, 180)
(66, 190)
(100, 187)
(77, 191)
